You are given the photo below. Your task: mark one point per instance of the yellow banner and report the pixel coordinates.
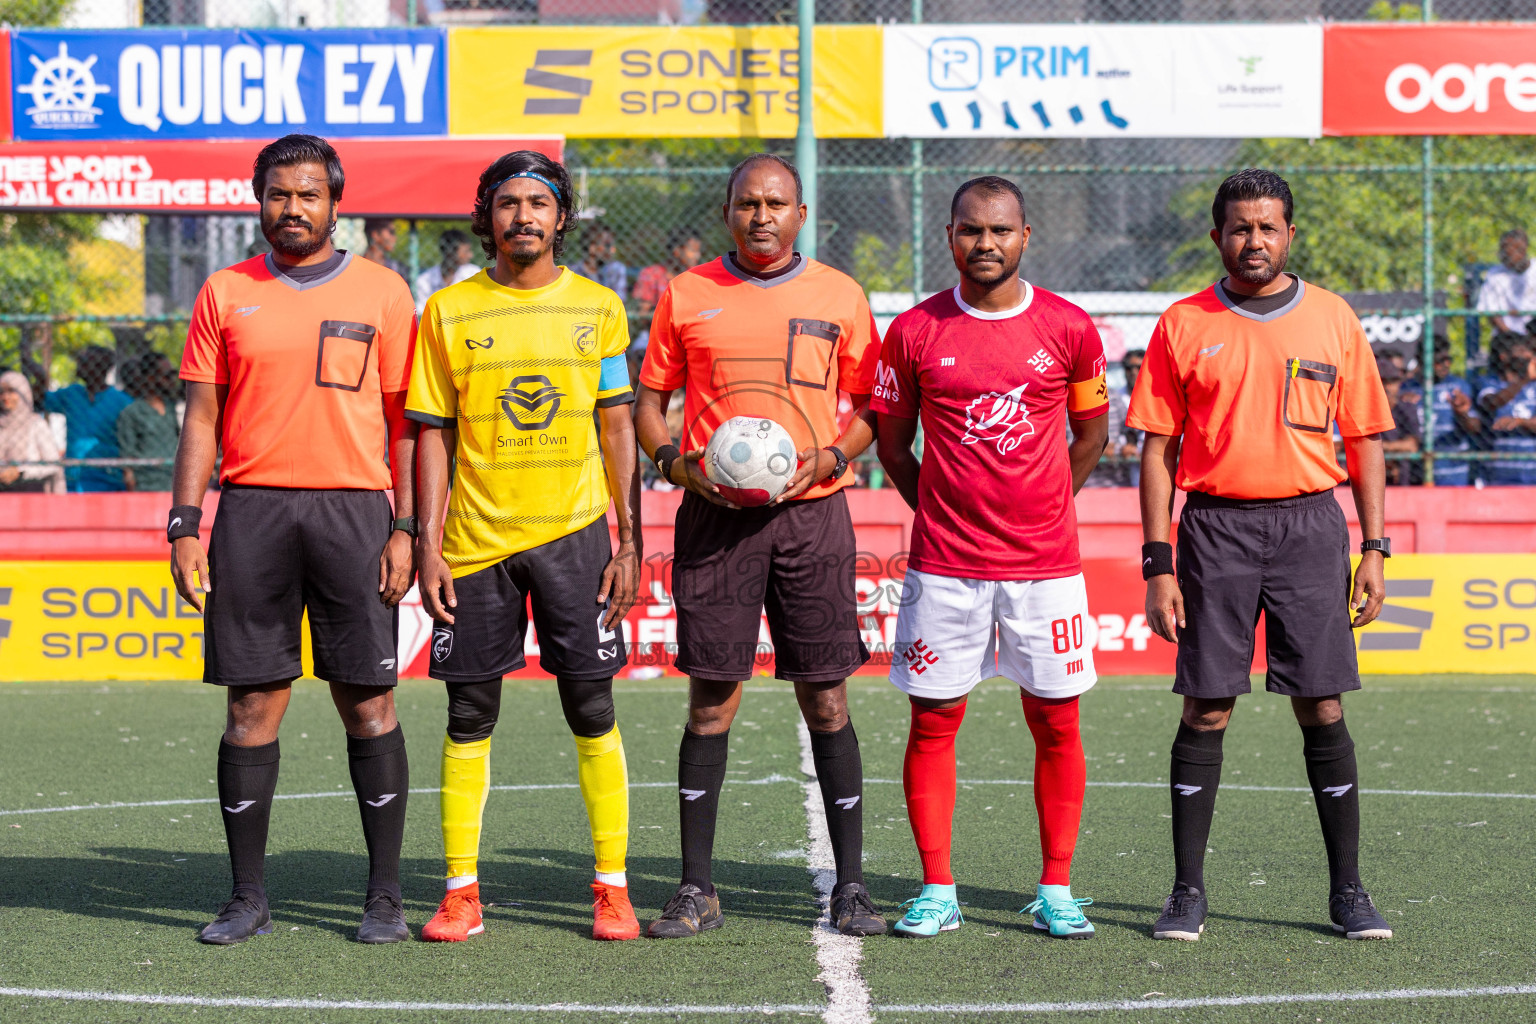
(715, 82)
(1456, 614)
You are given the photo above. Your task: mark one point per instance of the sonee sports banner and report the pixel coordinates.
(1455, 614)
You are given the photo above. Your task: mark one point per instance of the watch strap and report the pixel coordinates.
(841, 466)
(405, 524)
(1382, 544)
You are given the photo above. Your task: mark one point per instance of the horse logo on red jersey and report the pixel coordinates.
(1000, 418)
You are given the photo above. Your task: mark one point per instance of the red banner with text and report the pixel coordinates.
(385, 177)
(1429, 79)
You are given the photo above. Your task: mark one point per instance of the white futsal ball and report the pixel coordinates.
(750, 459)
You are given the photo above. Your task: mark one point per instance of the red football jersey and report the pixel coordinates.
(993, 392)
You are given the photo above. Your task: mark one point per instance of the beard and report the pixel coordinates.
(979, 272)
(1258, 277)
(293, 248)
(523, 256)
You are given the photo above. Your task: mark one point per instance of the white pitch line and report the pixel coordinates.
(1276, 999)
(770, 780)
(837, 955)
(924, 1009)
(275, 1003)
(119, 805)
(1225, 787)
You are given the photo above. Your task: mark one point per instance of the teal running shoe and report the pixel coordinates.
(1058, 913)
(934, 910)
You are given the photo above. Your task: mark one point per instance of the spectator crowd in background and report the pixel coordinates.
(131, 409)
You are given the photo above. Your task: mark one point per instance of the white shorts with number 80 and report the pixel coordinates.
(951, 633)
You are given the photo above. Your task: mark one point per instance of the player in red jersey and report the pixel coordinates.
(996, 370)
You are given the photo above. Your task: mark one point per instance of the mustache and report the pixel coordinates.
(1248, 254)
(528, 230)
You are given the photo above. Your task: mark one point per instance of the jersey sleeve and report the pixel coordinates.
(433, 399)
(666, 364)
(1087, 390)
(1157, 403)
(397, 339)
(859, 350)
(895, 388)
(1363, 405)
(205, 360)
(613, 372)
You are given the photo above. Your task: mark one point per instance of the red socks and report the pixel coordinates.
(1061, 774)
(928, 776)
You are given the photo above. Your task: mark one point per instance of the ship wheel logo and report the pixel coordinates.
(63, 91)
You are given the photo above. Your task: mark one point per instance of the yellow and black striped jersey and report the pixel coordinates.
(519, 374)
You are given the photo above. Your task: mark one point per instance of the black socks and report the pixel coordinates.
(382, 778)
(840, 770)
(247, 780)
(1331, 769)
(700, 774)
(1194, 774)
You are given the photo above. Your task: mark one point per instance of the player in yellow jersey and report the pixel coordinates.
(520, 379)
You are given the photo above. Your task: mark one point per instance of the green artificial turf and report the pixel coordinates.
(110, 899)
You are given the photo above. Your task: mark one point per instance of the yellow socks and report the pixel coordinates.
(466, 784)
(605, 789)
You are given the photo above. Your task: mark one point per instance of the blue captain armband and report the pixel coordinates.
(613, 382)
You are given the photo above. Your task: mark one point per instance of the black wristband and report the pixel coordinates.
(666, 454)
(184, 521)
(1156, 559)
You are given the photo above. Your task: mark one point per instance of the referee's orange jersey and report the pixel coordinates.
(1256, 396)
(307, 367)
(780, 348)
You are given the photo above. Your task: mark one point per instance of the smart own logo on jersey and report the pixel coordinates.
(999, 418)
(531, 402)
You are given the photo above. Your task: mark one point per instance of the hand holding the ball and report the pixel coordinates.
(690, 468)
(816, 464)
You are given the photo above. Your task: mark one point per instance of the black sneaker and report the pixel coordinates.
(853, 913)
(687, 913)
(383, 919)
(245, 914)
(1183, 915)
(1356, 916)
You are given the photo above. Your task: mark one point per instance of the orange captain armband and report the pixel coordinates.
(1087, 398)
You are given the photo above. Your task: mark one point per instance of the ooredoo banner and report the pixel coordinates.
(1103, 81)
(1436, 79)
(227, 83)
(384, 177)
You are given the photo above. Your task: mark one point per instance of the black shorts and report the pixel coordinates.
(794, 560)
(490, 623)
(278, 552)
(1288, 558)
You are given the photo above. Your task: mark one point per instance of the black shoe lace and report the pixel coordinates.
(1180, 903)
(1355, 900)
(679, 906)
(387, 898)
(859, 897)
(238, 906)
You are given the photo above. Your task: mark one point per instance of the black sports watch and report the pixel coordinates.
(406, 524)
(1382, 544)
(842, 462)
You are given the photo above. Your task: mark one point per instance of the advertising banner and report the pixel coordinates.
(227, 83)
(384, 177)
(1439, 79)
(5, 85)
(1103, 81)
(614, 82)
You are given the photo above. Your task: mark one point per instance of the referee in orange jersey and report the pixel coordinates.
(1241, 390)
(764, 332)
(297, 364)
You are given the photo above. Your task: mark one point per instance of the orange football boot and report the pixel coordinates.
(612, 915)
(457, 917)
